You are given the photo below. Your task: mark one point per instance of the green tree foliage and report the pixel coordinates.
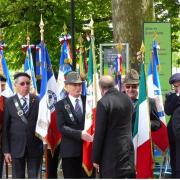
(17, 15)
(168, 11)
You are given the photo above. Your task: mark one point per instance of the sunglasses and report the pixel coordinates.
(23, 83)
(176, 86)
(134, 86)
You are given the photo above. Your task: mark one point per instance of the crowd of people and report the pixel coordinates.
(112, 152)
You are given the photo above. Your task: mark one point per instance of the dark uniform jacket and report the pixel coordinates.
(112, 147)
(70, 127)
(155, 121)
(176, 130)
(17, 136)
(172, 107)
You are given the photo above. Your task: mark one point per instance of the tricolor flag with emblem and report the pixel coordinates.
(46, 126)
(4, 69)
(141, 134)
(92, 96)
(160, 136)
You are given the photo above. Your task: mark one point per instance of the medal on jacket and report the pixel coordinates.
(67, 107)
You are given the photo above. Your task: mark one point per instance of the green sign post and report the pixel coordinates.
(161, 32)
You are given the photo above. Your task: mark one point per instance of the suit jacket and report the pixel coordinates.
(2, 101)
(176, 131)
(112, 147)
(171, 103)
(70, 128)
(154, 118)
(17, 136)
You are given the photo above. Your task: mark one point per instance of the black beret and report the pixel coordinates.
(2, 78)
(174, 78)
(19, 74)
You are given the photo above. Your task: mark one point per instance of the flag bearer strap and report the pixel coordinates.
(20, 112)
(67, 107)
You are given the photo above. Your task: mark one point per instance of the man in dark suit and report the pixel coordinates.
(20, 145)
(172, 108)
(113, 152)
(70, 120)
(176, 131)
(2, 102)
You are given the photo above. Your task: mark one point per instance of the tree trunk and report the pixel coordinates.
(128, 17)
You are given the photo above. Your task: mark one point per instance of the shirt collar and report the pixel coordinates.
(20, 96)
(73, 99)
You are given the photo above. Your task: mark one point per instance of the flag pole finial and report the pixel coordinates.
(28, 37)
(155, 35)
(80, 40)
(90, 26)
(142, 49)
(41, 25)
(119, 47)
(1, 35)
(140, 53)
(65, 29)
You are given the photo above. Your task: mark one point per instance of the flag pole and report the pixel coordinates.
(41, 26)
(91, 25)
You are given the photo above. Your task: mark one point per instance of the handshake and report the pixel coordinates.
(86, 136)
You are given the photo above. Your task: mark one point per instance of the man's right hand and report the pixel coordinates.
(86, 136)
(7, 157)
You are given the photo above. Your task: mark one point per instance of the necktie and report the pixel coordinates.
(25, 105)
(78, 109)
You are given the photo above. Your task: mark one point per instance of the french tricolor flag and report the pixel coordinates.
(159, 137)
(46, 126)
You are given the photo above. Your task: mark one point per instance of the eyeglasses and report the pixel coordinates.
(134, 86)
(23, 83)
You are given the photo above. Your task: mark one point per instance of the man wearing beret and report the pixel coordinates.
(172, 108)
(20, 145)
(70, 121)
(2, 101)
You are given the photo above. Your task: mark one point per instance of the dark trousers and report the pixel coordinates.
(1, 163)
(172, 147)
(52, 162)
(33, 167)
(72, 168)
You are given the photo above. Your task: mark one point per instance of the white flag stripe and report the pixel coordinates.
(143, 125)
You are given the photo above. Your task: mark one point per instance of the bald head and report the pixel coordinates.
(106, 82)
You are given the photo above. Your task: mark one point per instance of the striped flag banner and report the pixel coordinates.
(141, 134)
(160, 136)
(29, 68)
(3, 66)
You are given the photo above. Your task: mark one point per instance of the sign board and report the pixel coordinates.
(163, 31)
(108, 53)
